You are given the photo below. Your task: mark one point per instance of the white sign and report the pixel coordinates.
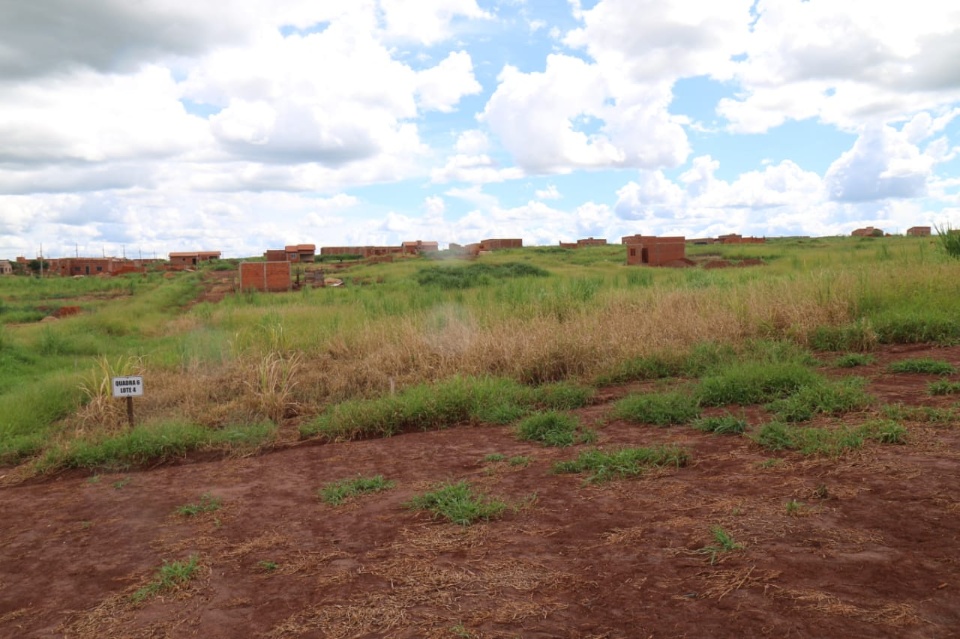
(128, 386)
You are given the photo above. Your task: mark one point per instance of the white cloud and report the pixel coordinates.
(427, 21)
(570, 116)
(549, 193)
(881, 164)
(472, 142)
(846, 63)
(442, 87)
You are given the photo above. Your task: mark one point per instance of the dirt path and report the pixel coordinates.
(872, 550)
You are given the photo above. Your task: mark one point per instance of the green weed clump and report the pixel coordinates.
(828, 442)
(344, 490)
(917, 327)
(922, 365)
(852, 360)
(458, 504)
(605, 466)
(754, 383)
(152, 443)
(170, 577)
(662, 409)
(949, 240)
(723, 542)
(458, 400)
(721, 425)
(858, 337)
(923, 414)
(554, 429)
(208, 504)
(822, 398)
(943, 387)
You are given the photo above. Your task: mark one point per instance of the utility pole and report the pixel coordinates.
(41, 260)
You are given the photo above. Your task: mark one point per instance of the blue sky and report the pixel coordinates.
(169, 125)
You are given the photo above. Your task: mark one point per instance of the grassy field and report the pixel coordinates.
(422, 343)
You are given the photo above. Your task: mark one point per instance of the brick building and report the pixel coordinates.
(868, 231)
(273, 277)
(919, 231)
(192, 258)
(6, 268)
(499, 244)
(419, 246)
(655, 251)
(734, 238)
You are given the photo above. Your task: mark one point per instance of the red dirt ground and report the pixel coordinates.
(878, 555)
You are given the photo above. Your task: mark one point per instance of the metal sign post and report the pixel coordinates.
(129, 387)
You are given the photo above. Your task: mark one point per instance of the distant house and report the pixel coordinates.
(498, 244)
(301, 252)
(655, 251)
(70, 266)
(735, 238)
(919, 231)
(192, 258)
(591, 242)
(419, 246)
(868, 231)
(6, 268)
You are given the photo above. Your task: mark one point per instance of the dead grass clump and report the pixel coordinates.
(275, 377)
(99, 410)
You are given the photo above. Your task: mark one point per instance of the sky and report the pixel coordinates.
(141, 128)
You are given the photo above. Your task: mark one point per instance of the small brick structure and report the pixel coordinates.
(919, 231)
(418, 247)
(655, 251)
(270, 277)
(868, 231)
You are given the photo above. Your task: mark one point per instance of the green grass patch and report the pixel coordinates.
(459, 504)
(917, 327)
(519, 460)
(822, 398)
(207, 504)
(554, 429)
(494, 457)
(943, 387)
(170, 577)
(852, 360)
(662, 409)
(720, 425)
(858, 337)
(152, 443)
(338, 492)
(923, 414)
(477, 274)
(753, 383)
(830, 442)
(455, 401)
(603, 466)
(924, 365)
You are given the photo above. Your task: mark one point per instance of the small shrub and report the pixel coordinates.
(662, 409)
(519, 460)
(721, 425)
(794, 508)
(458, 504)
(494, 457)
(923, 365)
(624, 462)
(885, 431)
(563, 396)
(554, 429)
(943, 387)
(338, 492)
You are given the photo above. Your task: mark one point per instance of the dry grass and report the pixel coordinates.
(100, 411)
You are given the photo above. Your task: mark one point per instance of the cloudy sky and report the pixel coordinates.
(240, 125)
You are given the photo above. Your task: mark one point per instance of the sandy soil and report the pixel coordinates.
(874, 550)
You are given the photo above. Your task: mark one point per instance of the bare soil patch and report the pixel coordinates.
(872, 550)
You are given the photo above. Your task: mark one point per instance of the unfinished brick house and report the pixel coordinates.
(301, 252)
(499, 244)
(271, 277)
(734, 238)
(919, 231)
(70, 266)
(192, 258)
(418, 247)
(868, 231)
(6, 268)
(655, 251)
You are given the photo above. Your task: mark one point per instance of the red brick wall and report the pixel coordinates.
(656, 251)
(265, 276)
(496, 244)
